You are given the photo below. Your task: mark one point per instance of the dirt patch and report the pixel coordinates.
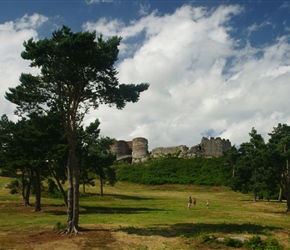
(102, 238)
(89, 238)
(92, 238)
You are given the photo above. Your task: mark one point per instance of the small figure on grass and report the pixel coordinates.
(207, 204)
(194, 202)
(189, 202)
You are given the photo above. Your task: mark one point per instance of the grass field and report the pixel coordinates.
(131, 216)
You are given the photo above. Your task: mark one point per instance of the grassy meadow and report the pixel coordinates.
(133, 216)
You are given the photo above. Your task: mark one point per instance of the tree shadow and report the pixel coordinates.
(265, 201)
(128, 197)
(113, 196)
(106, 210)
(115, 210)
(192, 230)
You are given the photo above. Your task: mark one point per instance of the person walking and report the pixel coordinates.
(194, 202)
(189, 202)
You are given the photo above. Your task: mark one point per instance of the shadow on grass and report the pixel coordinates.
(265, 201)
(113, 196)
(127, 197)
(106, 210)
(115, 210)
(192, 230)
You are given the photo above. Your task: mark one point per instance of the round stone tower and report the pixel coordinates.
(120, 148)
(139, 147)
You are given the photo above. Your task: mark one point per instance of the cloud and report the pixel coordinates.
(285, 5)
(12, 36)
(200, 82)
(144, 9)
(98, 1)
(30, 22)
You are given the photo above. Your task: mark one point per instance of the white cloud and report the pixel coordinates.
(12, 36)
(30, 22)
(99, 1)
(200, 82)
(144, 9)
(184, 56)
(255, 26)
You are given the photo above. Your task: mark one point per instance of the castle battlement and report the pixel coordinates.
(137, 149)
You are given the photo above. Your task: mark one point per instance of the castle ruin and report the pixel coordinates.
(132, 151)
(137, 149)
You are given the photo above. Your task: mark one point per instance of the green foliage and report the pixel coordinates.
(272, 244)
(253, 169)
(14, 186)
(231, 242)
(207, 238)
(59, 226)
(52, 189)
(172, 170)
(254, 242)
(95, 156)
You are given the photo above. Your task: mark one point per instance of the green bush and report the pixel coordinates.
(207, 238)
(59, 226)
(231, 242)
(14, 186)
(52, 189)
(272, 244)
(254, 243)
(173, 170)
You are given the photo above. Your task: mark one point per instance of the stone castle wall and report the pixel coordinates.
(214, 146)
(121, 148)
(132, 151)
(162, 151)
(137, 149)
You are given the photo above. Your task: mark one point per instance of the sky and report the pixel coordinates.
(215, 68)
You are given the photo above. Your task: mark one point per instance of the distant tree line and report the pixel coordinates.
(253, 167)
(260, 167)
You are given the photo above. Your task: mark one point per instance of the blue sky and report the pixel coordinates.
(215, 68)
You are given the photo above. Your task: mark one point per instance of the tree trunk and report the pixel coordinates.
(280, 194)
(70, 226)
(288, 201)
(287, 180)
(255, 195)
(73, 192)
(58, 184)
(37, 189)
(101, 186)
(84, 186)
(23, 185)
(26, 188)
(76, 193)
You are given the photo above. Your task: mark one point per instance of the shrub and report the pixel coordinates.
(207, 238)
(59, 226)
(14, 186)
(52, 189)
(173, 170)
(231, 242)
(272, 244)
(254, 243)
